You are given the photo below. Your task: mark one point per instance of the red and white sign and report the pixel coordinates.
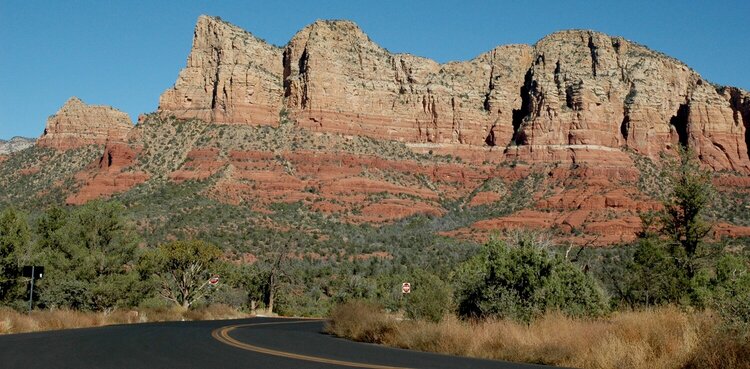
(214, 280)
(406, 287)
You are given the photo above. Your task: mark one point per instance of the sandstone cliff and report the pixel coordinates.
(367, 90)
(15, 144)
(587, 88)
(231, 77)
(574, 96)
(77, 124)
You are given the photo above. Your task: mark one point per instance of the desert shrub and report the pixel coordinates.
(226, 295)
(652, 277)
(523, 281)
(361, 321)
(731, 297)
(430, 298)
(213, 312)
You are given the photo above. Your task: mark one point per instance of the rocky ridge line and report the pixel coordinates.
(576, 96)
(17, 143)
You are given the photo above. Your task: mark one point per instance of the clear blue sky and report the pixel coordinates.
(126, 53)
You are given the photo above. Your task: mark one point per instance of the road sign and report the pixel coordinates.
(213, 280)
(33, 271)
(406, 287)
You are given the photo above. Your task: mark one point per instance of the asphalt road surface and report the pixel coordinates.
(247, 343)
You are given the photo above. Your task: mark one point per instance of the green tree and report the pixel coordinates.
(183, 269)
(654, 278)
(90, 256)
(683, 217)
(14, 241)
(522, 281)
(665, 267)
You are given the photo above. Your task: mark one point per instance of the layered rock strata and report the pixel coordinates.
(590, 89)
(109, 176)
(576, 95)
(231, 77)
(77, 124)
(365, 90)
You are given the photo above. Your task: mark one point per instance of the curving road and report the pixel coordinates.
(247, 343)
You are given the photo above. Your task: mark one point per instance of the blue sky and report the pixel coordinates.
(126, 53)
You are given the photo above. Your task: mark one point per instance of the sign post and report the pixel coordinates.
(34, 272)
(405, 288)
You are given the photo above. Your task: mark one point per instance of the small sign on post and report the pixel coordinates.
(33, 272)
(213, 280)
(406, 287)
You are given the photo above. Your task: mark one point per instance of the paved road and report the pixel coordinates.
(247, 343)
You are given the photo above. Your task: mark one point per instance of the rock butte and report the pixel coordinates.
(77, 124)
(578, 96)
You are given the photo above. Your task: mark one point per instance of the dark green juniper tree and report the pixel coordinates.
(683, 218)
(14, 242)
(524, 280)
(665, 266)
(90, 254)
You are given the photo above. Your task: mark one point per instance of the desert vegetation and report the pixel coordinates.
(152, 249)
(675, 301)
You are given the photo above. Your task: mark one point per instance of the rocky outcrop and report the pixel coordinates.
(231, 77)
(587, 88)
(77, 124)
(15, 144)
(577, 96)
(367, 90)
(739, 100)
(109, 176)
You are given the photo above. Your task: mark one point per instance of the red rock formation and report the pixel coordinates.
(108, 177)
(575, 96)
(77, 124)
(337, 80)
(231, 77)
(587, 88)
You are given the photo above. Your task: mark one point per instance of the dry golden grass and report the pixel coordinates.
(720, 350)
(361, 321)
(12, 321)
(662, 338)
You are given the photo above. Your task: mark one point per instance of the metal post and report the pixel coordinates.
(31, 293)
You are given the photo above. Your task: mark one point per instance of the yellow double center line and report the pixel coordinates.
(222, 335)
